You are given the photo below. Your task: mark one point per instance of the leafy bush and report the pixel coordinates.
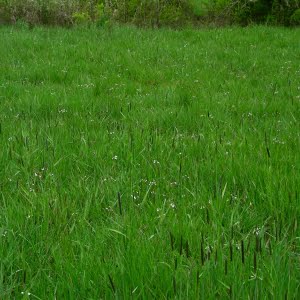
(81, 17)
(38, 11)
(54, 12)
(153, 13)
(276, 12)
(282, 10)
(295, 17)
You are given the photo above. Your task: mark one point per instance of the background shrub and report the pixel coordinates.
(295, 17)
(275, 12)
(50, 12)
(151, 13)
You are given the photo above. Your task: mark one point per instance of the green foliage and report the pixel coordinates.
(102, 17)
(81, 17)
(39, 11)
(65, 12)
(246, 11)
(151, 13)
(295, 18)
(214, 6)
(276, 12)
(282, 11)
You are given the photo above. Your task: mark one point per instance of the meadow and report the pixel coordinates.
(149, 164)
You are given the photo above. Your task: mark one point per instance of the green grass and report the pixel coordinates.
(139, 164)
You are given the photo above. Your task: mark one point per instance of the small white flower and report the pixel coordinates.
(256, 230)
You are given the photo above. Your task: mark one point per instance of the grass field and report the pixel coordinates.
(139, 164)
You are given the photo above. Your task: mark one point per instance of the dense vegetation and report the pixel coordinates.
(153, 13)
(143, 164)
